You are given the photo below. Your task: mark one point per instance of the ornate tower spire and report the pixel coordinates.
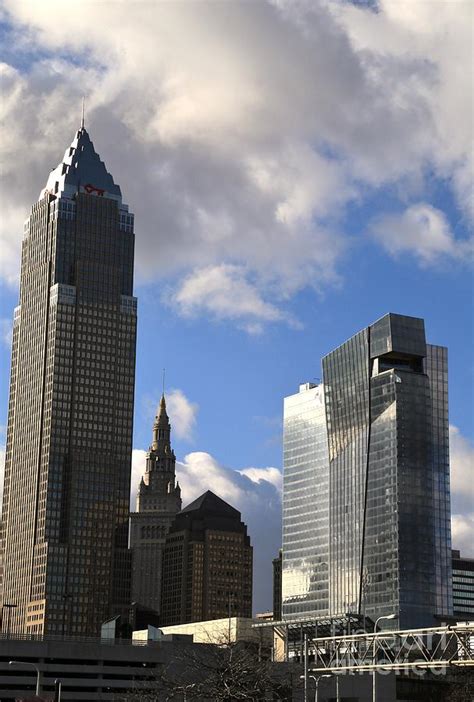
(161, 430)
(158, 501)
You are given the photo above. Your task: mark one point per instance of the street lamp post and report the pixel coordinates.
(57, 690)
(316, 683)
(374, 672)
(338, 698)
(305, 664)
(38, 673)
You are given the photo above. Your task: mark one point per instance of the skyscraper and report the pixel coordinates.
(305, 555)
(387, 477)
(207, 564)
(69, 437)
(158, 501)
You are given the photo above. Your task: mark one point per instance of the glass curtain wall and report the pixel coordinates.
(305, 505)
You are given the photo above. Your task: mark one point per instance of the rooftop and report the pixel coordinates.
(82, 170)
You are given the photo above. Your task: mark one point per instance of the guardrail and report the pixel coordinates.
(75, 639)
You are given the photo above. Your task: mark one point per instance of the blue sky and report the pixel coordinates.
(296, 171)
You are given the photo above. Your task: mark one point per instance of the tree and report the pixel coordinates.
(219, 673)
(461, 687)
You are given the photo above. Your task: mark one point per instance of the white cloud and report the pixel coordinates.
(462, 532)
(416, 52)
(224, 293)
(462, 472)
(422, 230)
(462, 492)
(269, 475)
(240, 131)
(255, 492)
(138, 469)
(182, 413)
(6, 332)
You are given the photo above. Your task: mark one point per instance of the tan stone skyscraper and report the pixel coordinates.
(64, 531)
(158, 501)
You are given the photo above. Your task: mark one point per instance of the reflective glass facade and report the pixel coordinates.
(384, 479)
(436, 367)
(386, 402)
(65, 561)
(347, 404)
(305, 505)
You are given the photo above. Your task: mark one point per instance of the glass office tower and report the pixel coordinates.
(65, 561)
(305, 505)
(436, 367)
(386, 421)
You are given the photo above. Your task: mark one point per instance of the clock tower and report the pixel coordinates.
(158, 501)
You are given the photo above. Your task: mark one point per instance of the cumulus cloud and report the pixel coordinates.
(238, 157)
(255, 492)
(413, 52)
(462, 492)
(269, 475)
(224, 293)
(182, 413)
(138, 468)
(422, 230)
(462, 526)
(6, 332)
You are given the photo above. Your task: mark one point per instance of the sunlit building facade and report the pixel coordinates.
(64, 533)
(305, 557)
(385, 494)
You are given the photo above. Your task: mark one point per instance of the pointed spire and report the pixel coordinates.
(161, 429)
(162, 414)
(82, 120)
(82, 170)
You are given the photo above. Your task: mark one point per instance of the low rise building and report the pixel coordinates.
(89, 670)
(463, 586)
(223, 631)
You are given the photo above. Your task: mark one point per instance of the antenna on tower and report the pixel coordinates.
(82, 120)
